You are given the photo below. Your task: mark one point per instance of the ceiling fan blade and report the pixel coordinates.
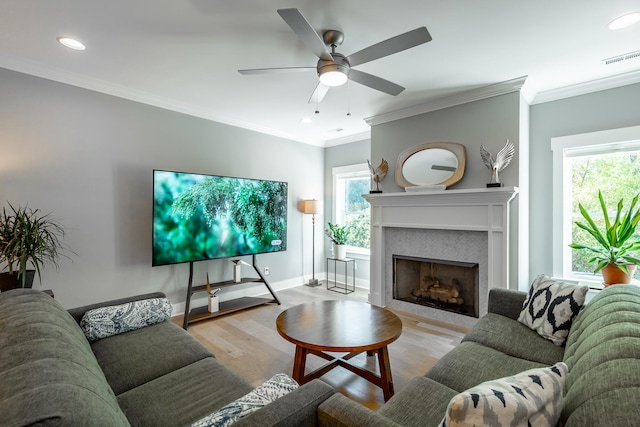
(276, 70)
(390, 46)
(375, 82)
(318, 95)
(305, 31)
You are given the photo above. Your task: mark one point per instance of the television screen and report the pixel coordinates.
(198, 217)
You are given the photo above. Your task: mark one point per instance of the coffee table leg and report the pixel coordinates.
(385, 373)
(299, 363)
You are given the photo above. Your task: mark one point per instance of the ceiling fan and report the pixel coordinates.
(333, 68)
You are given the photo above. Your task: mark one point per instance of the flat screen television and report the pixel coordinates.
(200, 217)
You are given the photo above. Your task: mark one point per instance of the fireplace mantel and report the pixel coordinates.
(467, 209)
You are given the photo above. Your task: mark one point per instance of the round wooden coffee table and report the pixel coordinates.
(342, 327)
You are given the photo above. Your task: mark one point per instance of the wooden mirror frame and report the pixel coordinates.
(456, 148)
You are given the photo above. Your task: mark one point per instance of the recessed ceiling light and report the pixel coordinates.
(305, 120)
(624, 21)
(71, 43)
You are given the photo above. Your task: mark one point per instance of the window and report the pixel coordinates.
(583, 164)
(350, 208)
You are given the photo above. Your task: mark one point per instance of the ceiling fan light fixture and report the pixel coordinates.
(333, 78)
(624, 21)
(333, 73)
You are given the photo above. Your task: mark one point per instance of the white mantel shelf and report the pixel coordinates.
(472, 195)
(478, 209)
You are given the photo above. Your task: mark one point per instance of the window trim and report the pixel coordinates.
(355, 170)
(563, 147)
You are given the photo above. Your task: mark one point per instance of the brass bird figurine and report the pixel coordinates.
(499, 162)
(378, 174)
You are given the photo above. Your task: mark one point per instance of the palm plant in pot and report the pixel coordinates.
(616, 245)
(29, 240)
(338, 235)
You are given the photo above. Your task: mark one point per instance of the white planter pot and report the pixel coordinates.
(339, 251)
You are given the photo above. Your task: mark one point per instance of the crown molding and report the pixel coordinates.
(478, 94)
(591, 86)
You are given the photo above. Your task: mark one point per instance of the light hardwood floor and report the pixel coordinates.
(248, 343)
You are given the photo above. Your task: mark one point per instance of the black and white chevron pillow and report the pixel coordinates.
(530, 398)
(551, 306)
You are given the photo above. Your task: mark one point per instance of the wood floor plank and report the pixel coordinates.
(248, 343)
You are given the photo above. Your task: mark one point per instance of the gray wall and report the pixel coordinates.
(609, 109)
(343, 155)
(88, 158)
(489, 122)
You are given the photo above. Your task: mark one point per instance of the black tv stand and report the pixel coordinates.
(226, 307)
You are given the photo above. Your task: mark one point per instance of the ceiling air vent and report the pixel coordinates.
(620, 58)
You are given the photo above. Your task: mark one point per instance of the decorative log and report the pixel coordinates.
(432, 288)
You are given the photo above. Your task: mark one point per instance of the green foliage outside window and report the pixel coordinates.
(616, 175)
(356, 212)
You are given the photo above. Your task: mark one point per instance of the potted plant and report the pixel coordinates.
(338, 235)
(614, 253)
(29, 240)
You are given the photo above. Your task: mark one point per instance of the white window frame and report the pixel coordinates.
(564, 147)
(359, 170)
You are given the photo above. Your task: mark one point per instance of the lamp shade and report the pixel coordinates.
(311, 206)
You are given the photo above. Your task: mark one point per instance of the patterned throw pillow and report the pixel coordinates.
(530, 398)
(276, 387)
(551, 306)
(115, 319)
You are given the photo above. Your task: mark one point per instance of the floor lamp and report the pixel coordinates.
(312, 207)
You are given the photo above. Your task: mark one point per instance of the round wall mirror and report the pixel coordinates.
(433, 163)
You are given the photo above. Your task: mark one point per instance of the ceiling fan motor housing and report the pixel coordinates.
(339, 63)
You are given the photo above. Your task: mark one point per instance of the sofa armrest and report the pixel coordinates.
(78, 312)
(340, 411)
(298, 408)
(506, 302)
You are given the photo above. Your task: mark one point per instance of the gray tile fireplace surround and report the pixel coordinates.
(449, 245)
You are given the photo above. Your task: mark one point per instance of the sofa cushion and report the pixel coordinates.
(48, 374)
(530, 398)
(274, 388)
(470, 364)
(296, 409)
(421, 402)
(340, 411)
(131, 359)
(603, 385)
(551, 306)
(523, 342)
(106, 321)
(183, 396)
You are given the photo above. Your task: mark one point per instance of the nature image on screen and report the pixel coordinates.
(198, 217)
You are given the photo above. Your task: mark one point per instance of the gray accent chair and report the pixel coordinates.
(155, 376)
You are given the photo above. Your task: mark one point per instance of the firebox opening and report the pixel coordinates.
(441, 284)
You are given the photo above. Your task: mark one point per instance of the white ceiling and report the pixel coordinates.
(184, 54)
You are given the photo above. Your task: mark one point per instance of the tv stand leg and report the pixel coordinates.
(266, 283)
(185, 322)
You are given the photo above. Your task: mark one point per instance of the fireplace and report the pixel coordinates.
(440, 284)
(468, 226)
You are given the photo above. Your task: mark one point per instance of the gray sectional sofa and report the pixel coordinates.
(155, 376)
(602, 353)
